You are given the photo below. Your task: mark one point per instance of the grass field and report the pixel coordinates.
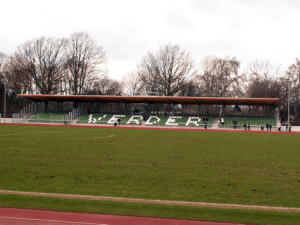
(217, 167)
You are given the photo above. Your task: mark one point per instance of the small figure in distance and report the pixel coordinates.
(270, 127)
(245, 126)
(267, 126)
(119, 121)
(234, 123)
(262, 128)
(222, 121)
(290, 127)
(115, 122)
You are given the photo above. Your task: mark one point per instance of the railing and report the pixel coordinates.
(75, 113)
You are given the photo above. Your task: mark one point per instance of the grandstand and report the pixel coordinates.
(170, 121)
(151, 111)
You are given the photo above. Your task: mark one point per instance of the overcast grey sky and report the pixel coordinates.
(246, 29)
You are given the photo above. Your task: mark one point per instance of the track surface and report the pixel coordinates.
(10, 216)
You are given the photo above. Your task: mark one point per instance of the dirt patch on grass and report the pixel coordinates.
(159, 202)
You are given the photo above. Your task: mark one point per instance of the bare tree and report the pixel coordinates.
(41, 60)
(219, 76)
(131, 84)
(17, 77)
(84, 61)
(263, 80)
(192, 88)
(293, 73)
(104, 86)
(3, 60)
(167, 70)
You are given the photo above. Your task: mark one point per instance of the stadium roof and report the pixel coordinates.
(153, 99)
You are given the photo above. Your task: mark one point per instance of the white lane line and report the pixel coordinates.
(56, 221)
(150, 201)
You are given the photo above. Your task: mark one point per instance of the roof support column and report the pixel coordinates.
(172, 103)
(126, 108)
(149, 110)
(102, 107)
(249, 105)
(173, 109)
(198, 106)
(223, 110)
(276, 112)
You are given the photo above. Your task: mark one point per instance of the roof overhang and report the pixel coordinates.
(153, 99)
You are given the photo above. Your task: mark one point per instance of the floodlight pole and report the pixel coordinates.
(288, 82)
(4, 102)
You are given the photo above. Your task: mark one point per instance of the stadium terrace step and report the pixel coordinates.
(48, 118)
(253, 121)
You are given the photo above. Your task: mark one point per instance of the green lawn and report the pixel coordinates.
(239, 168)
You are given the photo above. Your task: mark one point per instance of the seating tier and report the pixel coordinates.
(253, 121)
(48, 117)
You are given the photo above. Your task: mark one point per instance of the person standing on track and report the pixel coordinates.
(235, 124)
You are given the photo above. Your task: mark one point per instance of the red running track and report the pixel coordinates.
(12, 216)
